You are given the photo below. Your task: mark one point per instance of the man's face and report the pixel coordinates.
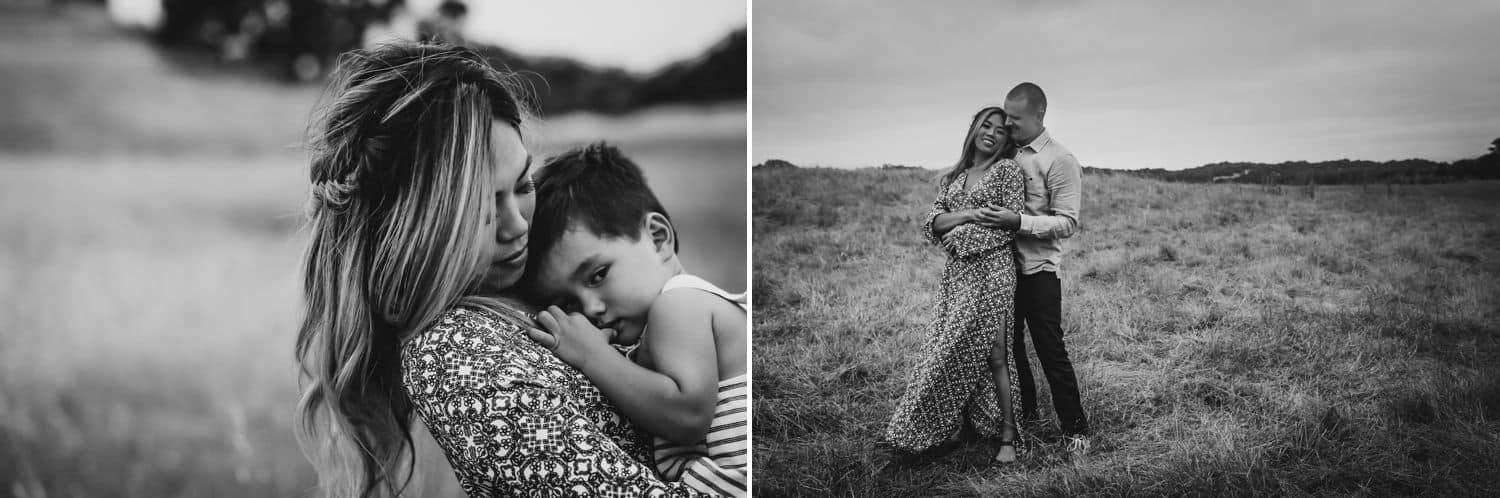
(1023, 122)
(612, 281)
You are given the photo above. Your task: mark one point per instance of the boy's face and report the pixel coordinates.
(612, 281)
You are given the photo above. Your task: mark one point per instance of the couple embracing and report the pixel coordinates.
(444, 283)
(1000, 215)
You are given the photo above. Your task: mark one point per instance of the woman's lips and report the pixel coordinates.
(514, 257)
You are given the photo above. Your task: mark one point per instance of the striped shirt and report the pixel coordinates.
(720, 463)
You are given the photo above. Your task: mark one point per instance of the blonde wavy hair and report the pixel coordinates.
(401, 177)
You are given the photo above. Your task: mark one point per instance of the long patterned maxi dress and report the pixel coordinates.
(952, 381)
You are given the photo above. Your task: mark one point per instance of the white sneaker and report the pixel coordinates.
(1077, 446)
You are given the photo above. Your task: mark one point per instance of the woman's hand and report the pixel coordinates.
(997, 216)
(986, 216)
(571, 336)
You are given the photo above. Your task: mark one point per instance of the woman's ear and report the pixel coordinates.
(663, 236)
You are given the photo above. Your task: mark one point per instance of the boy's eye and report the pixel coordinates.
(597, 277)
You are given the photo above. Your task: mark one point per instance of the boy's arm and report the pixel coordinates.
(675, 402)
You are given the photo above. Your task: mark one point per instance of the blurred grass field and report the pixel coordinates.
(1229, 340)
(150, 252)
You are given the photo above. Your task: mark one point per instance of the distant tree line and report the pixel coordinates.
(300, 39)
(564, 84)
(1342, 171)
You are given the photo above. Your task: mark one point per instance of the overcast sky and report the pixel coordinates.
(1130, 84)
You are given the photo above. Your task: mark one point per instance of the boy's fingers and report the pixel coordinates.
(546, 320)
(546, 340)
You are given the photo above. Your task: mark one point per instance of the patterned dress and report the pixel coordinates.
(514, 420)
(952, 382)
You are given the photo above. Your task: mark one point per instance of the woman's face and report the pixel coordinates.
(990, 137)
(510, 214)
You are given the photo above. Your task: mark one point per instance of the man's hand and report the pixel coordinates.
(995, 216)
(1009, 220)
(570, 336)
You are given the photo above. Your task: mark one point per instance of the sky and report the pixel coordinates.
(1141, 84)
(640, 36)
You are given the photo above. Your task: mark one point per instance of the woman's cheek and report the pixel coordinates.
(527, 207)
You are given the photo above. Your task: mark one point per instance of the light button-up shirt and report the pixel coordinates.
(1054, 182)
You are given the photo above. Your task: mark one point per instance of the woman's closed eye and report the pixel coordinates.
(526, 187)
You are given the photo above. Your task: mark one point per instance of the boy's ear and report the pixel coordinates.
(663, 236)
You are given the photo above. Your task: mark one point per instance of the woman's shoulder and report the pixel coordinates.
(1008, 168)
(467, 347)
(463, 328)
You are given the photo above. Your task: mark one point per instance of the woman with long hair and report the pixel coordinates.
(963, 374)
(421, 204)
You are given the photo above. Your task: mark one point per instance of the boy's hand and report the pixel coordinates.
(570, 336)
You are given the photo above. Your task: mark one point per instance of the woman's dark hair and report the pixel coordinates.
(594, 187)
(966, 156)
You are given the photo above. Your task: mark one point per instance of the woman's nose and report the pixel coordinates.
(510, 225)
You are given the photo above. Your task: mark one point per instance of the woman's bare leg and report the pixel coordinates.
(1000, 368)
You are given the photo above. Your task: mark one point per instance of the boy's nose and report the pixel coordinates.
(593, 308)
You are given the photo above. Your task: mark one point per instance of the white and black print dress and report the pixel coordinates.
(951, 383)
(516, 421)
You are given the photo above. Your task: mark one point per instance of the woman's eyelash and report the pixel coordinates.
(528, 187)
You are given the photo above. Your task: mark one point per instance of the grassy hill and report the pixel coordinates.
(1340, 172)
(1229, 339)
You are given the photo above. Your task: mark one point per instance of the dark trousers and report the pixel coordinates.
(1039, 308)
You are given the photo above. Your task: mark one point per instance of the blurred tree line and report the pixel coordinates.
(1342, 171)
(563, 84)
(301, 39)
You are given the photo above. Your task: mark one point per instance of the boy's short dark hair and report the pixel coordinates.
(594, 187)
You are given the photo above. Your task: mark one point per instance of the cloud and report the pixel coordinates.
(1139, 84)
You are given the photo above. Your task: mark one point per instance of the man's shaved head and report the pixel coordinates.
(1025, 106)
(1032, 95)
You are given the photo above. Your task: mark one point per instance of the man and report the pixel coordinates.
(1053, 179)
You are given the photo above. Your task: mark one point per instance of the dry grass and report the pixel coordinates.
(1228, 340)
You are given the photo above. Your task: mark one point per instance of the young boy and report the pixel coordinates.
(605, 249)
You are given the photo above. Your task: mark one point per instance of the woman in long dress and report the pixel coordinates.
(964, 373)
